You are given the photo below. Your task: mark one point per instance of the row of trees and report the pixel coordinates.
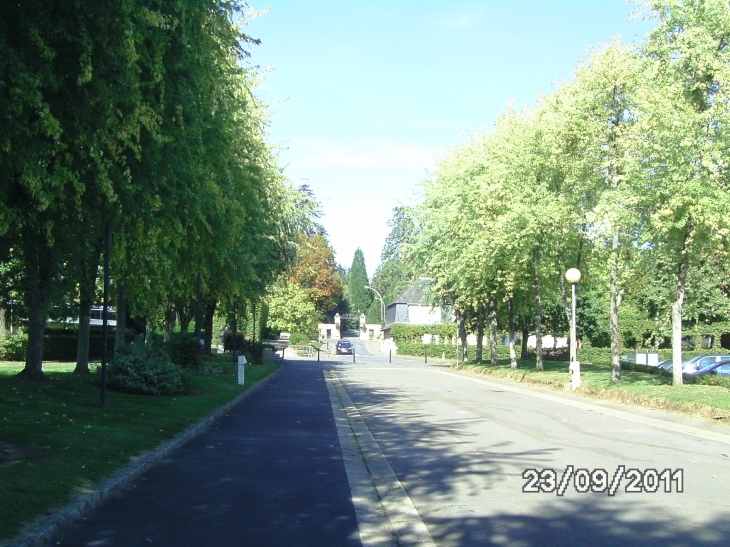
(622, 173)
(140, 114)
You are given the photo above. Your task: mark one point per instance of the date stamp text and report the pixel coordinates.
(634, 481)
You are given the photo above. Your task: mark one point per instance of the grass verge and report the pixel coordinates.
(55, 440)
(635, 388)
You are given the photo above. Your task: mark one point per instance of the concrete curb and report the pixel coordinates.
(43, 530)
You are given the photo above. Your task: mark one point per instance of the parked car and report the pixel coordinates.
(343, 347)
(664, 364)
(721, 369)
(694, 365)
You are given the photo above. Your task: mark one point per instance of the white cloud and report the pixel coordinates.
(360, 153)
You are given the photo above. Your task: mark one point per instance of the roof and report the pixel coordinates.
(415, 294)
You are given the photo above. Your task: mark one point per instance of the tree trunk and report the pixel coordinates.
(523, 348)
(254, 333)
(185, 316)
(4, 330)
(613, 311)
(86, 299)
(36, 329)
(462, 335)
(120, 332)
(169, 322)
(564, 297)
(149, 328)
(480, 338)
(511, 319)
(538, 310)
(208, 324)
(82, 346)
(677, 316)
(494, 358)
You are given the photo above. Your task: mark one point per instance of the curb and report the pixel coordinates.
(44, 529)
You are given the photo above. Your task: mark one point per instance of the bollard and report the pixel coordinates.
(318, 355)
(390, 355)
(353, 353)
(282, 351)
(425, 355)
(241, 363)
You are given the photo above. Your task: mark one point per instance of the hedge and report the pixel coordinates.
(60, 345)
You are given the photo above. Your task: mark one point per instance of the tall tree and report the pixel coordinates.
(685, 141)
(358, 296)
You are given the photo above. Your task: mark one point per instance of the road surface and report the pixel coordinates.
(400, 453)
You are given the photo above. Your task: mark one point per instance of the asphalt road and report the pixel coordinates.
(403, 453)
(460, 444)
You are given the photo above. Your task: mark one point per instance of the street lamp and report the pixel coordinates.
(382, 304)
(572, 276)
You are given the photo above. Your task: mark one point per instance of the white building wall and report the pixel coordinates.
(423, 315)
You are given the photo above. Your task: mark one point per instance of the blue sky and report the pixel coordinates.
(366, 96)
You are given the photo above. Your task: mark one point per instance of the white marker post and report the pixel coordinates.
(241, 363)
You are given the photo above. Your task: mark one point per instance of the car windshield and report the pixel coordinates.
(344, 343)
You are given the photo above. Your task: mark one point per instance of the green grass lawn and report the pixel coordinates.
(637, 388)
(56, 441)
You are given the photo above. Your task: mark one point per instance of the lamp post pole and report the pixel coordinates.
(382, 304)
(573, 276)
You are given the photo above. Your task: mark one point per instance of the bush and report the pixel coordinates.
(298, 339)
(254, 352)
(184, 351)
(146, 369)
(12, 347)
(712, 380)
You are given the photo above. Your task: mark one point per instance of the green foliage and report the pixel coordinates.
(146, 369)
(712, 380)
(298, 338)
(184, 351)
(254, 352)
(619, 173)
(290, 308)
(358, 296)
(401, 332)
(12, 347)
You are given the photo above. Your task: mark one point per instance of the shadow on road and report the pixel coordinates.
(435, 461)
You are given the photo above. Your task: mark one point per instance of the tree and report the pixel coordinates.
(685, 139)
(290, 309)
(358, 296)
(603, 109)
(314, 271)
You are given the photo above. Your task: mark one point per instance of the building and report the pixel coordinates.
(412, 308)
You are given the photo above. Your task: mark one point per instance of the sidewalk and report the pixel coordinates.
(269, 473)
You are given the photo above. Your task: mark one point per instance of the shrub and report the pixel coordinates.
(12, 347)
(184, 351)
(254, 352)
(713, 380)
(146, 369)
(298, 339)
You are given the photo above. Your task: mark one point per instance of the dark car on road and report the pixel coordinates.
(343, 347)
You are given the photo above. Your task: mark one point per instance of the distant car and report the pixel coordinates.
(664, 364)
(343, 347)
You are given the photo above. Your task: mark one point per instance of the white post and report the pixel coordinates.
(241, 363)
(573, 277)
